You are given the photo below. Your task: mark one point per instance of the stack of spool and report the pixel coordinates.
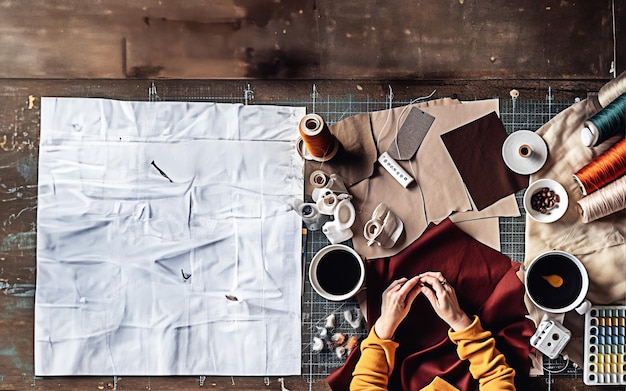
(603, 180)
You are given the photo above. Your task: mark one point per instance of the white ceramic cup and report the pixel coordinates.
(337, 272)
(570, 295)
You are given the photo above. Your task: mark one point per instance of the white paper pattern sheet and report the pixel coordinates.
(150, 214)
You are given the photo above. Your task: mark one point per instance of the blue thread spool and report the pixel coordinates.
(605, 124)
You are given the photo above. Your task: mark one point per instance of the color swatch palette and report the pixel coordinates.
(605, 347)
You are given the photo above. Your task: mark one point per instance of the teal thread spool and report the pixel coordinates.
(605, 124)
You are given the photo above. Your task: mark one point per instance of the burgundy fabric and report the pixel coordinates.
(486, 285)
(476, 149)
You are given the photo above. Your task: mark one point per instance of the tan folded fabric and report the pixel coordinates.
(505, 207)
(439, 190)
(600, 245)
(486, 231)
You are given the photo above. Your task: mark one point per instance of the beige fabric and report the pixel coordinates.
(439, 191)
(486, 231)
(600, 245)
(505, 207)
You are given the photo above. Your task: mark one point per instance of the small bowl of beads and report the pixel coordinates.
(545, 200)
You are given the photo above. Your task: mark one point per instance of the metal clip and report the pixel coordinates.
(152, 93)
(314, 96)
(390, 96)
(248, 94)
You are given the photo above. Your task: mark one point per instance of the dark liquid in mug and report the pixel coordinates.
(545, 294)
(338, 272)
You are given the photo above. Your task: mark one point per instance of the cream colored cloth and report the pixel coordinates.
(439, 190)
(599, 245)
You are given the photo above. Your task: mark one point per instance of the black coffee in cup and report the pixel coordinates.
(338, 272)
(547, 295)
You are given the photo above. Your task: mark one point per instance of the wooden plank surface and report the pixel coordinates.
(467, 48)
(311, 39)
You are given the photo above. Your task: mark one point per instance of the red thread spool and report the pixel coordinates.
(604, 169)
(318, 140)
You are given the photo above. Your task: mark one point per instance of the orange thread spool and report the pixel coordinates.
(604, 169)
(318, 140)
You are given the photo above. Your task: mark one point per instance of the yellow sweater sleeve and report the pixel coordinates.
(487, 364)
(373, 369)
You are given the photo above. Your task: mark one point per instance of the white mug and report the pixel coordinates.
(337, 272)
(575, 283)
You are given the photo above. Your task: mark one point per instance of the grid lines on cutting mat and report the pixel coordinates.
(515, 114)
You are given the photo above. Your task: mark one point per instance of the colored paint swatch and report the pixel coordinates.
(605, 354)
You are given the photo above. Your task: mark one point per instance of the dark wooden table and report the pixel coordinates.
(112, 49)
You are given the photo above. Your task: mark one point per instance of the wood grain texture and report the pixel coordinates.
(310, 39)
(469, 49)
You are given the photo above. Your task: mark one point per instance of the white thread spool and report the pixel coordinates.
(327, 203)
(524, 152)
(372, 230)
(319, 178)
(603, 202)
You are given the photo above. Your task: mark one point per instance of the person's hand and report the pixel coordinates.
(443, 299)
(397, 300)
